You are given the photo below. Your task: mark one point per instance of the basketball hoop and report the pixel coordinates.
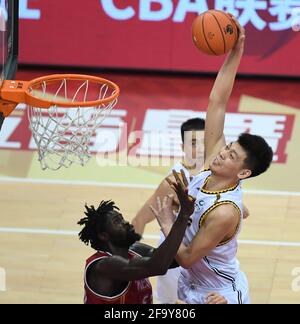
(64, 112)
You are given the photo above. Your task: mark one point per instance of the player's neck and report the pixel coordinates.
(116, 250)
(216, 183)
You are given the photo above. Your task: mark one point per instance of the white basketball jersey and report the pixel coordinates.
(220, 267)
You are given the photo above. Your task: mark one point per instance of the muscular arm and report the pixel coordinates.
(214, 125)
(220, 224)
(146, 250)
(119, 268)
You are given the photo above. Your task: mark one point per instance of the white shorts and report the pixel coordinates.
(194, 294)
(166, 287)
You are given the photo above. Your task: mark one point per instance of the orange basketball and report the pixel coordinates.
(214, 32)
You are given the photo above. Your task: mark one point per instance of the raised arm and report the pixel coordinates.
(218, 99)
(119, 268)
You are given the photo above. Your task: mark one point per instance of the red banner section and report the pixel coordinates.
(161, 138)
(155, 35)
(151, 109)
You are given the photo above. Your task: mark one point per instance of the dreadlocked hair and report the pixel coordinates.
(95, 223)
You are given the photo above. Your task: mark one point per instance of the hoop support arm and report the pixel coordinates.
(14, 92)
(7, 107)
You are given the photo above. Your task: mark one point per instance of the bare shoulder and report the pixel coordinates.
(110, 264)
(223, 214)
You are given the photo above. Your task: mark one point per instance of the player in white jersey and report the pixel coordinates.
(192, 135)
(219, 268)
(208, 252)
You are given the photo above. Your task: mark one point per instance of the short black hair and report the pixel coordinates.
(192, 124)
(259, 153)
(95, 223)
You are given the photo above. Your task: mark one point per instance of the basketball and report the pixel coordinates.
(214, 32)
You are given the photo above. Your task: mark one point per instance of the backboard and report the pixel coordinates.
(9, 18)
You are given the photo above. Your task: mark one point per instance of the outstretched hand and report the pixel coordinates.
(181, 189)
(239, 46)
(164, 212)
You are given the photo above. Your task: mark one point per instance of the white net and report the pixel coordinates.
(63, 135)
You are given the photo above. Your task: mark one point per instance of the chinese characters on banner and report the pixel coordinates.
(160, 135)
(285, 12)
(155, 34)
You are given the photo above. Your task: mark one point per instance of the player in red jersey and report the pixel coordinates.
(114, 275)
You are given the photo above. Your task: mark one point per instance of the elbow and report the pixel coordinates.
(162, 272)
(212, 98)
(186, 262)
(155, 269)
(186, 265)
(162, 269)
(189, 257)
(216, 100)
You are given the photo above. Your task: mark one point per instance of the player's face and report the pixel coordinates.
(122, 234)
(229, 162)
(193, 146)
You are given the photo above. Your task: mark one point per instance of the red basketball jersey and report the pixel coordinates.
(136, 292)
